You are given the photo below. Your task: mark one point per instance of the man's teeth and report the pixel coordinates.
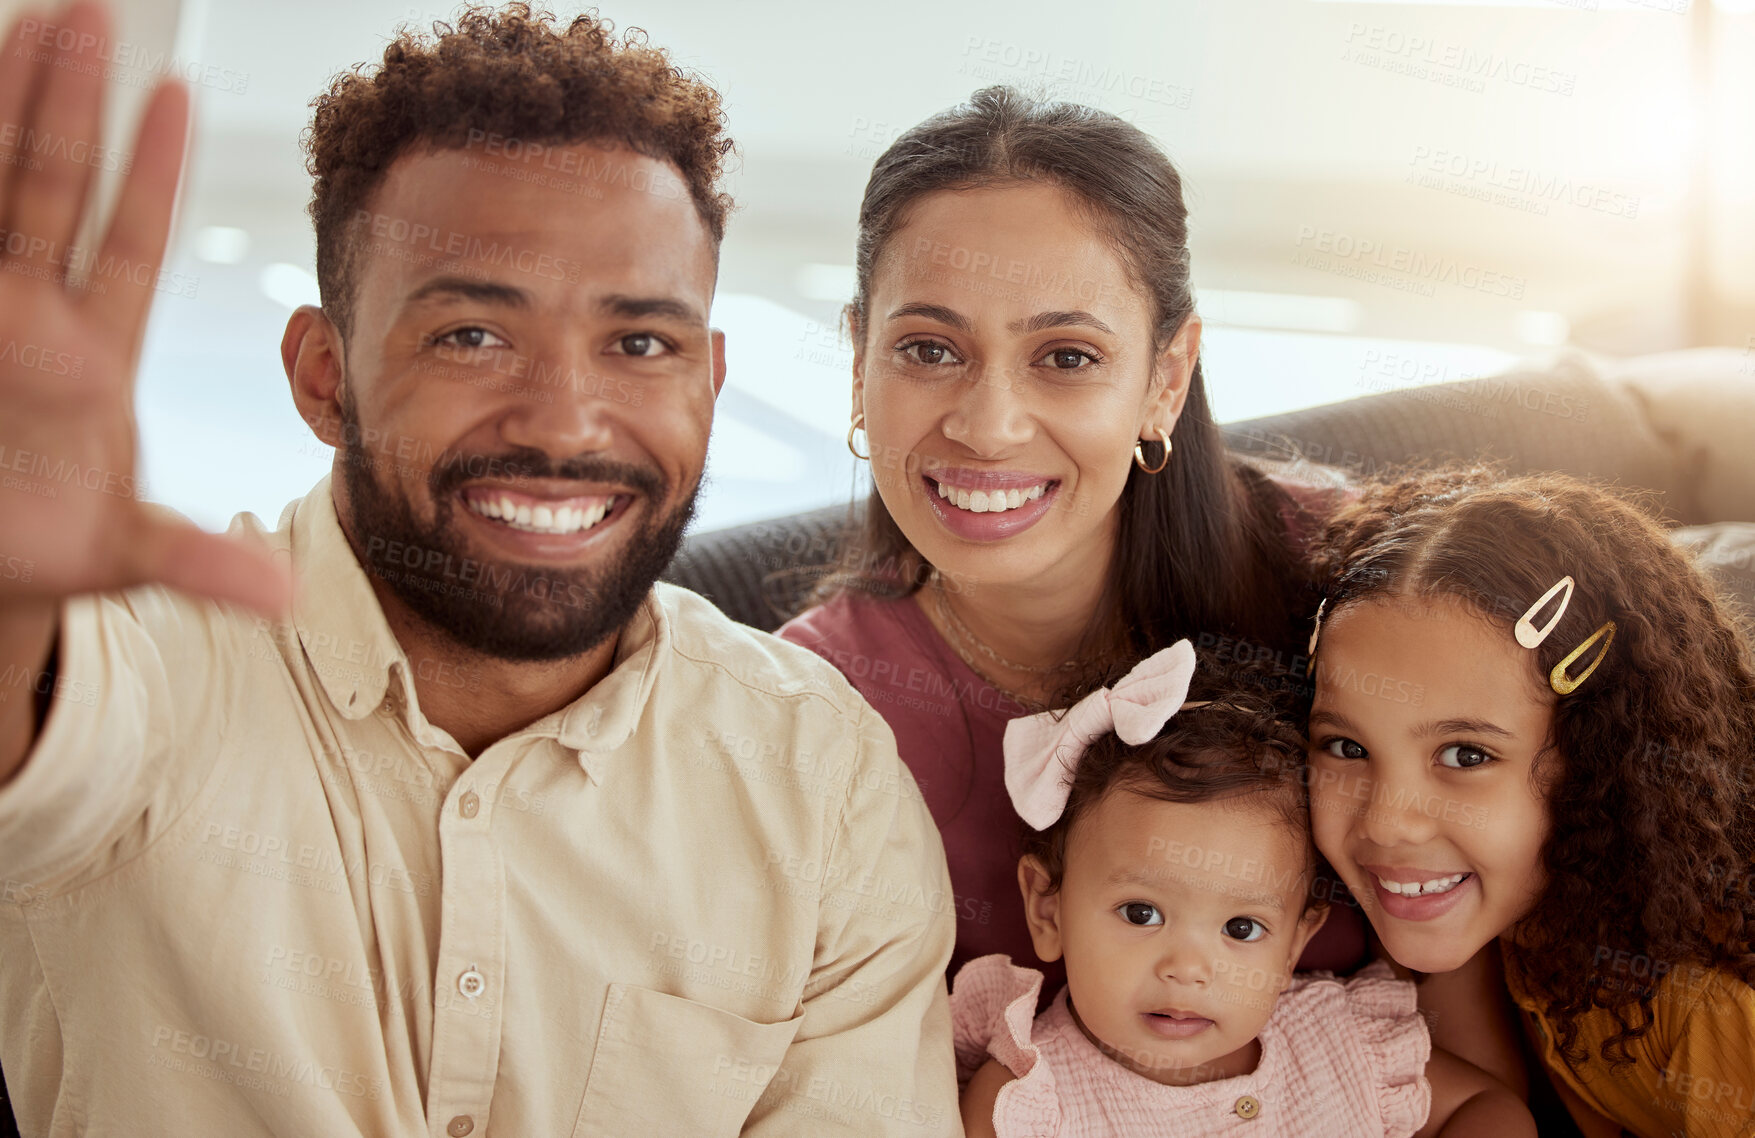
(1419, 889)
(539, 519)
(990, 501)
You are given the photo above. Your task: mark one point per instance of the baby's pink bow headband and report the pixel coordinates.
(1042, 752)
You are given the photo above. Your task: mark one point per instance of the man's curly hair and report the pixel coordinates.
(509, 72)
(1649, 773)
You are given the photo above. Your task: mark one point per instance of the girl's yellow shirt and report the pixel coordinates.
(1693, 1074)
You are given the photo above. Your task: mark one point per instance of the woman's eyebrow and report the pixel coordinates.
(936, 312)
(1043, 320)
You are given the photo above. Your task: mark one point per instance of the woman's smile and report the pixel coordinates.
(988, 505)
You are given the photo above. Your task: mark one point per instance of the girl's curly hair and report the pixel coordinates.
(510, 74)
(1245, 743)
(1649, 773)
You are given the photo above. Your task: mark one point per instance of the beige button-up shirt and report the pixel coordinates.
(248, 889)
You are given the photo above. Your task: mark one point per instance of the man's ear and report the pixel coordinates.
(1172, 374)
(311, 353)
(1041, 907)
(718, 338)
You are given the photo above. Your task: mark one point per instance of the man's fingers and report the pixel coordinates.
(64, 125)
(17, 73)
(142, 221)
(173, 552)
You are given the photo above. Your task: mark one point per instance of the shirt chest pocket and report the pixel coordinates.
(666, 1065)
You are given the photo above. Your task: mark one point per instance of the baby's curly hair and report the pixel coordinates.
(1649, 774)
(1245, 744)
(512, 73)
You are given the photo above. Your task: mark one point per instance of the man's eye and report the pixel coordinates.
(471, 338)
(1342, 748)
(1463, 756)
(1245, 929)
(1070, 359)
(929, 352)
(1140, 913)
(642, 344)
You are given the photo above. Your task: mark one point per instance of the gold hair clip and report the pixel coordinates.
(1530, 636)
(1566, 685)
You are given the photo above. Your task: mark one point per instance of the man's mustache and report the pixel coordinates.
(455, 468)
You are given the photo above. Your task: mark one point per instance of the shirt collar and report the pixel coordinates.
(600, 721)
(337, 616)
(354, 653)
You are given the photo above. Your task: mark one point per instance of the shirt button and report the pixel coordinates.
(460, 1126)
(1247, 1107)
(469, 804)
(471, 984)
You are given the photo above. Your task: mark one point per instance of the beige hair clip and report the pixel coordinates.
(1530, 636)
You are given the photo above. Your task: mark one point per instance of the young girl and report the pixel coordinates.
(1532, 749)
(1173, 869)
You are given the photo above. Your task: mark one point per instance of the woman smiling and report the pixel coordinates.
(1052, 499)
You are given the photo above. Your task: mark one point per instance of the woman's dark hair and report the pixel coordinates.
(1201, 545)
(1649, 774)
(1245, 745)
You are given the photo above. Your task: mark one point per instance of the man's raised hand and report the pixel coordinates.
(70, 347)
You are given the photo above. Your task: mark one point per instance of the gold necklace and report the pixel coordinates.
(963, 633)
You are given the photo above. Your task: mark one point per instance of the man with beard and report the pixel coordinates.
(479, 832)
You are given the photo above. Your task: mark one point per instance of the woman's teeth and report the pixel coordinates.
(1421, 889)
(539, 519)
(990, 501)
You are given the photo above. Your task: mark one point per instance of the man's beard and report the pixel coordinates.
(503, 609)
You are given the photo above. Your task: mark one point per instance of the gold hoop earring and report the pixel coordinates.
(858, 422)
(1139, 454)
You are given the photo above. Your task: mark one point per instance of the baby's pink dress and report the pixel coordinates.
(1339, 1059)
